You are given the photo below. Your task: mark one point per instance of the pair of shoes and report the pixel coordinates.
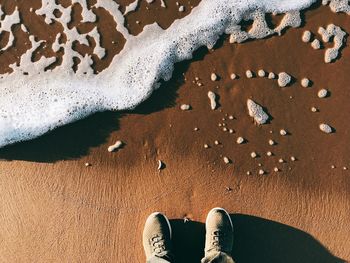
(219, 234)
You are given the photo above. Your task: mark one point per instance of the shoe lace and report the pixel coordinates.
(158, 244)
(218, 238)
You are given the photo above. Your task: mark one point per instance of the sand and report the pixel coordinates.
(56, 209)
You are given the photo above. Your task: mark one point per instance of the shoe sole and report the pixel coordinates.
(166, 219)
(221, 209)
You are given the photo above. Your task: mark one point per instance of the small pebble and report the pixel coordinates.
(231, 117)
(212, 98)
(161, 165)
(87, 164)
(249, 173)
(185, 107)
(206, 146)
(196, 129)
(227, 160)
(305, 82)
(233, 76)
(283, 79)
(272, 142)
(217, 142)
(230, 131)
(322, 93)
(181, 8)
(249, 74)
(115, 146)
(283, 132)
(213, 77)
(325, 128)
(261, 73)
(276, 169)
(313, 109)
(345, 168)
(292, 158)
(306, 37)
(316, 44)
(271, 75)
(281, 160)
(261, 172)
(332, 166)
(224, 129)
(269, 153)
(240, 140)
(253, 154)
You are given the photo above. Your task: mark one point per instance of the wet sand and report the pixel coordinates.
(54, 209)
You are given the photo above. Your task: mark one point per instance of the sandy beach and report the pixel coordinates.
(55, 208)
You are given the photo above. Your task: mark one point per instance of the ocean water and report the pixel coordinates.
(34, 101)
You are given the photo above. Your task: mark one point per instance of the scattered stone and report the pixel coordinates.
(283, 132)
(338, 38)
(227, 160)
(161, 165)
(269, 153)
(240, 140)
(316, 44)
(231, 117)
(224, 129)
(261, 172)
(284, 79)
(212, 98)
(322, 93)
(230, 131)
(333, 166)
(249, 173)
(249, 74)
(281, 160)
(313, 109)
(196, 129)
(253, 154)
(261, 73)
(345, 168)
(233, 76)
(293, 159)
(185, 107)
(271, 75)
(87, 164)
(305, 82)
(181, 8)
(276, 169)
(272, 142)
(115, 146)
(206, 146)
(326, 128)
(213, 77)
(257, 112)
(306, 37)
(217, 142)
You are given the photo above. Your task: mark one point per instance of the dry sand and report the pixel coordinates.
(56, 209)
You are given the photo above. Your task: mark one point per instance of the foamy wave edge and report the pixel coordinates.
(36, 104)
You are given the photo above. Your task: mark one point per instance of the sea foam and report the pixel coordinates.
(34, 101)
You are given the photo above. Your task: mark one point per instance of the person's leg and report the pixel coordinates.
(157, 239)
(218, 237)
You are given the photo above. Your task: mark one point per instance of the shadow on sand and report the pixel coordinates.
(255, 240)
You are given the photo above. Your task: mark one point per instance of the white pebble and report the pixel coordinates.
(87, 164)
(281, 160)
(161, 165)
(230, 131)
(253, 154)
(213, 77)
(185, 107)
(115, 146)
(345, 168)
(196, 129)
(240, 140)
(306, 37)
(231, 117)
(326, 128)
(284, 79)
(257, 112)
(261, 172)
(206, 146)
(181, 8)
(271, 75)
(313, 109)
(217, 142)
(249, 173)
(233, 76)
(333, 166)
(276, 169)
(212, 98)
(261, 73)
(316, 44)
(249, 74)
(224, 129)
(292, 158)
(283, 132)
(272, 142)
(269, 153)
(322, 93)
(227, 160)
(305, 82)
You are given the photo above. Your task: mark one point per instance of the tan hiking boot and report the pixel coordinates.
(219, 232)
(157, 236)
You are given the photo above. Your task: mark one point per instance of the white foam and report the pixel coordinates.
(52, 98)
